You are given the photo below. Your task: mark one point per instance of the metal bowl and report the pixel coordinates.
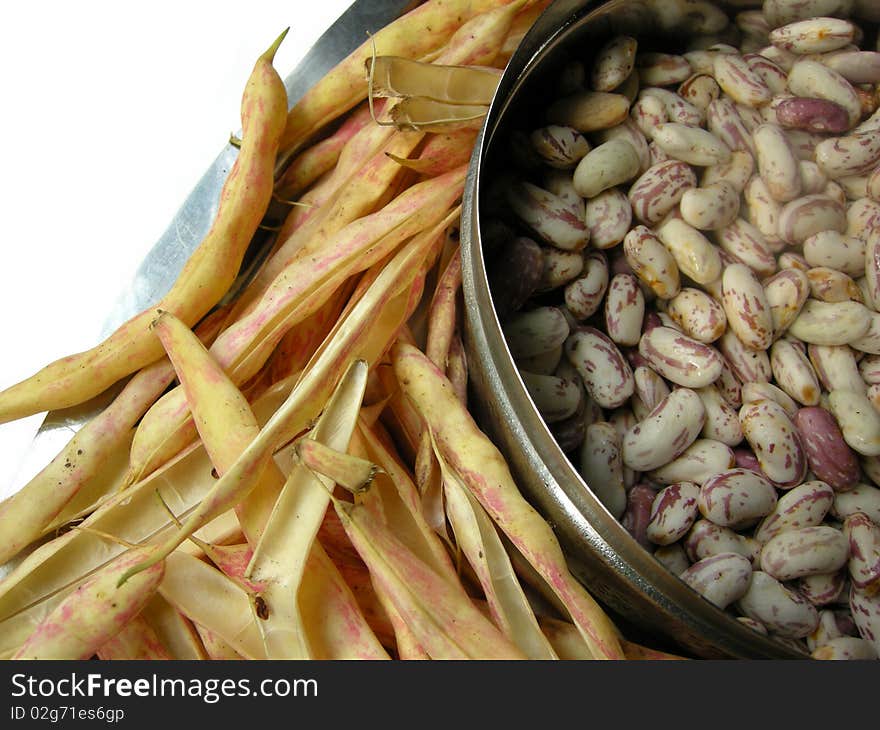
(639, 592)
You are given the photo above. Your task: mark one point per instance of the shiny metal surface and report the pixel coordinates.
(622, 574)
(157, 272)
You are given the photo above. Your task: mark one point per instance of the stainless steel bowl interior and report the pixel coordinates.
(640, 593)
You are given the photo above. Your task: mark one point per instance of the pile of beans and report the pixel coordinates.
(684, 254)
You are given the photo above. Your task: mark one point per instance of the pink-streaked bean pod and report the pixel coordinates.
(711, 207)
(836, 367)
(830, 323)
(696, 256)
(756, 391)
(863, 536)
(801, 218)
(746, 244)
(859, 421)
(830, 458)
(722, 419)
(697, 314)
(775, 441)
(721, 579)
(865, 608)
(737, 171)
(736, 498)
(805, 505)
(802, 551)
(609, 164)
(624, 309)
(705, 538)
(782, 610)
(614, 63)
(813, 79)
(786, 292)
(739, 81)
(605, 371)
(669, 429)
(749, 366)
(659, 189)
(583, 296)
(699, 462)
(551, 218)
(608, 216)
(813, 35)
(794, 373)
(853, 154)
(558, 146)
(601, 466)
(863, 497)
(746, 307)
(673, 512)
(777, 163)
(555, 398)
(679, 358)
(535, 331)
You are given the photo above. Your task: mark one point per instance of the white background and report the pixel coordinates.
(111, 112)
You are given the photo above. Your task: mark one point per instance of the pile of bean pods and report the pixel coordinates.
(684, 254)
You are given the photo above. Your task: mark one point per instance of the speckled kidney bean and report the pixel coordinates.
(705, 539)
(870, 341)
(737, 171)
(535, 331)
(624, 310)
(679, 358)
(722, 420)
(638, 513)
(863, 536)
(584, 295)
(810, 214)
(671, 427)
(710, 207)
(609, 164)
(551, 218)
(739, 81)
(698, 462)
(696, 256)
(775, 441)
(721, 579)
(673, 512)
(614, 63)
(803, 551)
(749, 366)
(830, 323)
(743, 242)
(652, 262)
(783, 611)
(753, 392)
(588, 111)
(805, 505)
(560, 267)
(602, 468)
(858, 420)
(865, 608)
(830, 458)
(736, 498)
(822, 589)
(672, 557)
(845, 648)
(853, 154)
(558, 146)
(762, 210)
(516, 275)
(836, 250)
(605, 371)
(831, 285)
(836, 367)
(650, 387)
(862, 497)
(697, 314)
(786, 292)
(725, 122)
(813, 79)
(677, 108)
(659, 189)
(814, 115)
(793, 372)
(777, 163)
(699, 89)
(555, 398)
(746, 307)
(608, 216)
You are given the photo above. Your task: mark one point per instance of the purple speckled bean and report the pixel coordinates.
(710, 207)
(555, 398)
(608, 216)
(679, 358)
(813, 115)
(831, 323)
(786, 293)
(551, 218)
(669, 429)
(583, 296)
(863, 536)
(673, 512)
(853, 154)
(856, 66)
(813, 79)
(863, 497)
(559, 146)
(835, 250)
(762, 210)
(761, 390)
(794, 373)
(736, 498)
(677, 108)
(777, 163)
(813, 35)
(803, 551)
(699, 89)
(652, 262)
(746, 307)
(745, 243)
(614, 63)
(693, 145)
(560, 267)
(749, 366)
(661, 69)
(829, 456)
(783, 611)
(659, 189)
(650, 387)
(775, 441)
(809, 214)
(535, 331)
(737, 79)
(836, 367)
(624, 309)
(603, 368)
(721, 579)
(722, 420)
(725, 122)
(822, 589)
(638, 513)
